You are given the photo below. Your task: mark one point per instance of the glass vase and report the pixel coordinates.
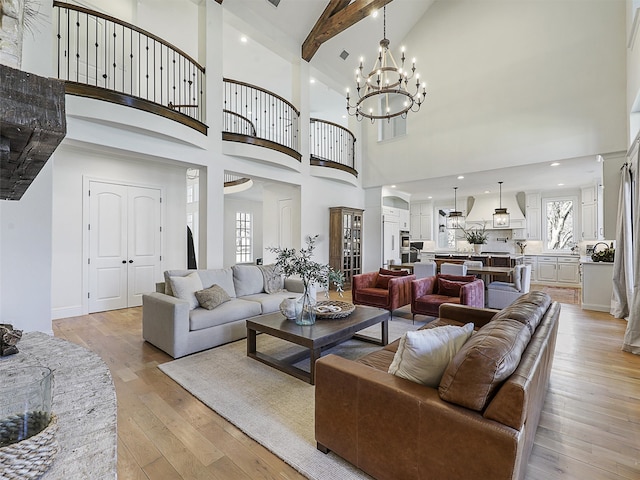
(25, 402)
(306, 309)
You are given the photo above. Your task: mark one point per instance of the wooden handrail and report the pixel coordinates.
(248, 85)
(312, 120)
(253, 128)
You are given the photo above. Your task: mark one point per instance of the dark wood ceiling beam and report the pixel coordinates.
(336, 18)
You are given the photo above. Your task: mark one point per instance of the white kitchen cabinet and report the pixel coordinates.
(547, 269)
(559, 270)
(404, 220)
(421, 221)
(597, 285)
(592, 221)
(391, 211)
(568, 270)
(534, 218)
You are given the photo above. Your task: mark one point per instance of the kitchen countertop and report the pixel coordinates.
(552, 254)
(586, 259)
(472, 254)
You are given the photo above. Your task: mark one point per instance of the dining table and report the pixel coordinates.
(485, 272)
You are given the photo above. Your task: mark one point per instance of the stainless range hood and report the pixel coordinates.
(482, 208)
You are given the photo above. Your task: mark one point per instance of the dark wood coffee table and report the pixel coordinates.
(322, 335)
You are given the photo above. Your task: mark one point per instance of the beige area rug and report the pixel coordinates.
(273, 408)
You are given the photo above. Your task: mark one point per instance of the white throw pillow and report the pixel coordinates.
(423, 355)
(185, 288)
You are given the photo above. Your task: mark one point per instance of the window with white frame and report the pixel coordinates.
(559, 223)
(396, 126)
(244, 232)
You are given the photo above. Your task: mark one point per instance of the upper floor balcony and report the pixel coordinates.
(102, 57)
(105, 58)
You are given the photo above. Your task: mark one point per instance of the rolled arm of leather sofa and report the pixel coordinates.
(465, 314)
(165, 322)
(394, 428)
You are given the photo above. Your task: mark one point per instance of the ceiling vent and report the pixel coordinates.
(344, 54)
(275, 3)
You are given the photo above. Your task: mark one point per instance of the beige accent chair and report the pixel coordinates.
(453, 269)
(424, 269)
(503, 294)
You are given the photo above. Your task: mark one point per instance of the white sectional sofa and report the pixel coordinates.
(173, 326)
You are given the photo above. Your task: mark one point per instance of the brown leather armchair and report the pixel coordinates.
(384, 289)
(427, 294)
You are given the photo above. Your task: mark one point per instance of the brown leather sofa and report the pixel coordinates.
(479, 423)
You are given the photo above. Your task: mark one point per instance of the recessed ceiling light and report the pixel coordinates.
(561, 184)
(429, 197)
(555, 164)
(460, 177)
(243, 39)
(393, 186)
(344, 116)
(312, 80)
(374, 14)
(487, 191)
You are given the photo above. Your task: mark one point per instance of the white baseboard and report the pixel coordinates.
(597, 308)
(65, 312)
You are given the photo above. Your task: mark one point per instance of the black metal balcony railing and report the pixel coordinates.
(254, 115)
(105, 58)
(332, 145)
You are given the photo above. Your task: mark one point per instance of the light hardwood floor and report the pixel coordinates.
(589, 428)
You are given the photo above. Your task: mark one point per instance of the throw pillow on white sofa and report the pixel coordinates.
(186, 287)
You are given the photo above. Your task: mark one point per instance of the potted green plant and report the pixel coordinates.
(292, 263)
(476, 237)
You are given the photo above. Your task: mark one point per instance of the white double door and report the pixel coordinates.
(124, 244)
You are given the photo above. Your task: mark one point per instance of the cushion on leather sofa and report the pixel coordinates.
(248, 280)
(527, 309)
(484, 362)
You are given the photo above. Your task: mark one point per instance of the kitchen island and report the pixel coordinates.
(597, 285)
(488, 259)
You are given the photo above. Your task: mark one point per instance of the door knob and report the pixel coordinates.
(124, 261)
(130, 261)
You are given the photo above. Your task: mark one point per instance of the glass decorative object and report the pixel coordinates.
(25, 402)
(306, 309)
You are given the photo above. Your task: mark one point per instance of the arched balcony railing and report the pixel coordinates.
(332, 146)
(105, 58)
(254, 115)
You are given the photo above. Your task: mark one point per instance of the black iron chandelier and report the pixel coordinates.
(501, 218)
(384, 92)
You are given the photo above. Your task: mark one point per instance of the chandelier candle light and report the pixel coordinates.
(501, 218)
(384, 92)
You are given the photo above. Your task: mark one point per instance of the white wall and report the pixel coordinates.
(72, 166)
(633, 70)
(509, 83)
(25, 256)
